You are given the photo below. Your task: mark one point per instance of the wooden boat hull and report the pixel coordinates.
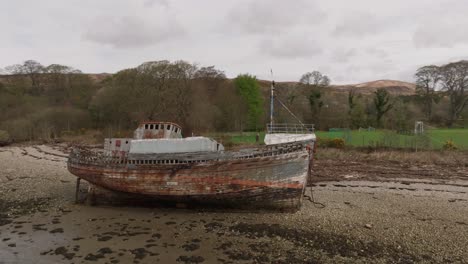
(276, 181)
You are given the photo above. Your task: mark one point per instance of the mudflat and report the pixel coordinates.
(375, 212)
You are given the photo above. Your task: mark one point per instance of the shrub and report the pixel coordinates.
(4, 138)
(338, 143)
(66, 133)
(449, 145)
(20, 129)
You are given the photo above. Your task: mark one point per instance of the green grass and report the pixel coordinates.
(458, 136)
(238, 138)
(432, 139)
(248, 137)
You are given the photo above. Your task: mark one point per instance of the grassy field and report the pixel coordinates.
(432, 139)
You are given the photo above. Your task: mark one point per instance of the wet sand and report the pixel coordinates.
(397, 218)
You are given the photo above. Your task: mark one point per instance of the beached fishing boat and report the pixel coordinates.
(159, 163)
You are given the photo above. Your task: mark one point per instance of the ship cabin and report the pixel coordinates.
(145, 130)
(152, 129)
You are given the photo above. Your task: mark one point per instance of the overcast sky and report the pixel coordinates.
(351, 41)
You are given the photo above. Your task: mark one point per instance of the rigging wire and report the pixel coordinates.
(282, 104)
(309, 179)
(312, 200)
(309, 173)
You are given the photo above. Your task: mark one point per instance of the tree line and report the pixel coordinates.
(449, 80)
(43, 102)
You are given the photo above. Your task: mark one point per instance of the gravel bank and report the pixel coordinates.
(396, 217)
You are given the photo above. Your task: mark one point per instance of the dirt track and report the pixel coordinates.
(361, 166)
(377, 212)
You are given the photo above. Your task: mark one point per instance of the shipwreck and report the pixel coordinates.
(158, 162)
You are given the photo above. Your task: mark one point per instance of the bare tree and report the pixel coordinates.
(159, 90)
(315, 78)
(182, 74)
(382, 104)
(427, 81)
(209, 72)
(30, 68)
(351, 100)
(312, 85)
(60, 81)
(150, 88)
(60, 69)
(454, 80)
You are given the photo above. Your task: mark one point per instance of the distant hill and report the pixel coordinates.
(98, 77)
(392, 86)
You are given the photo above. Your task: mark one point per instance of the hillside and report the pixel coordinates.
(392, 86)
(98, 77)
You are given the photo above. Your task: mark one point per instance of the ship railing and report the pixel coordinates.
(101, 158)
(96, 157)
(290, 128)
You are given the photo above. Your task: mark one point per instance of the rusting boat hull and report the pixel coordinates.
(262, 181)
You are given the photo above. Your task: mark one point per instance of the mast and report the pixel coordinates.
(272, 99)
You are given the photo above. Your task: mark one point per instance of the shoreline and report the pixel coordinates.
(382, 212)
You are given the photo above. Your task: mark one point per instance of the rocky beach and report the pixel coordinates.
(379, 212)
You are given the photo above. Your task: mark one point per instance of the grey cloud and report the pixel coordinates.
(132, 31)
(376, 69)
(380, 53)
(151, 3)
(358, 25)
(267, 16)
(343, 55)
(339, 78)
(240, 35)
(406, 75)
(441, 34)
(290, 46)
(382, 66)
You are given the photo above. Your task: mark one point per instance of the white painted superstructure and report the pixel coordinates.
(271, 139)
(174, 145)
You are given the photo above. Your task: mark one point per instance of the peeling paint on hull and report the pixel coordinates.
(275, 181)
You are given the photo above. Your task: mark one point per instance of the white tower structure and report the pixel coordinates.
(419, 128)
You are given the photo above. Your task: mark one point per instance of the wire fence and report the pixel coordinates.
(290, 128)
(430, 139)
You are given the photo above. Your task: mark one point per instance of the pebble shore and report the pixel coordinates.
(397, 220)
